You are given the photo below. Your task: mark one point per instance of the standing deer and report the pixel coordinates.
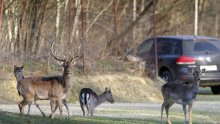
(91, 100)
(180, 93)
(19, 76)
(54, 88)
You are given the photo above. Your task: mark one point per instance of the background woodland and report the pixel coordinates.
(109, 28)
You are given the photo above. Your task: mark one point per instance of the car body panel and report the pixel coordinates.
(205, 50)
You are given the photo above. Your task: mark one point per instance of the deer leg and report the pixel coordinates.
(67, 108)
(167, 107)
(162, 108)
(190, 113)
(29, 109)
(60, 103)
(35, 102)
(87, 107)
(56, 105)
(22, 104)
(184, 109)
(82, 107)
(52, 105)
(92, 111)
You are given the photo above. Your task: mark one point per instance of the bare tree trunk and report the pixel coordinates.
(217, 25)
(202, 4)
(8, 13)
(40, 22)
(63, 23)
(97, 17)
(217, 19)
(134, 17)
(16, 26)
(75, 31)
(87, 15)
(112, 43)
(58, 12)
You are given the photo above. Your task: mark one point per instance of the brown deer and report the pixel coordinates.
(18, 72)
(54, 88)
(91, 100)
(181, 93)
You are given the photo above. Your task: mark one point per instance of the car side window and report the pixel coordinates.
(205, 46)
(168, 47)
(176, 48)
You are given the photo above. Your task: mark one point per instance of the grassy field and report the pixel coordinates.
(176, 116)
(11, 118)
(204, 112)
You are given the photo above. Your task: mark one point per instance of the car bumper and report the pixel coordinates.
(206, 80)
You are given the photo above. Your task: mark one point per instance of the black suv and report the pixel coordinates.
(175, 54)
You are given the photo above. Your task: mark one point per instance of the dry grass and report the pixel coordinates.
(8, 91)
(125, 87)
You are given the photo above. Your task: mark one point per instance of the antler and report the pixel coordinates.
(80, 54)
(62, 60)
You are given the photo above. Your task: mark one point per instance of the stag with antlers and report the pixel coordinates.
(54, 88)
(18, 72)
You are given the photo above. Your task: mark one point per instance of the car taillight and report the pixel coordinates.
(185, 60)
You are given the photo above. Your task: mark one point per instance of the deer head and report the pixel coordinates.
(67, 63)
(18, 72)
(108, 94)
(196, 73)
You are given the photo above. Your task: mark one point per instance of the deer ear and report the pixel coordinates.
(15, 66)
(22, 66)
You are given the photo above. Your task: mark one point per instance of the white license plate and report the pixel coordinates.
(209, 67)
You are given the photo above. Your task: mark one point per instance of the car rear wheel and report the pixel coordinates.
(215, 89)
(166, 76)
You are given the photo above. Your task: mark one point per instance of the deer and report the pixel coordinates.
(91, 100)
(181, 93)
(18, 72)
(53, 88)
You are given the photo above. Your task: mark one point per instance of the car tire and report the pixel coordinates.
(215, 89)
(166, 76)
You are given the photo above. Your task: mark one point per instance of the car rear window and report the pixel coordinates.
(201, 46)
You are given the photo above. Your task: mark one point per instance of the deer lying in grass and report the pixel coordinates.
(54, 88)
(174, 92)
(88, 98)
(18, 72)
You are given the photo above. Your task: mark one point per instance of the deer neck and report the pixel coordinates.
(19, 77)
(196, 85)
(67, 79)
(100, 99)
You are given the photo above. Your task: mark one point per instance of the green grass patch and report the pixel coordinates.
(12, 118)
